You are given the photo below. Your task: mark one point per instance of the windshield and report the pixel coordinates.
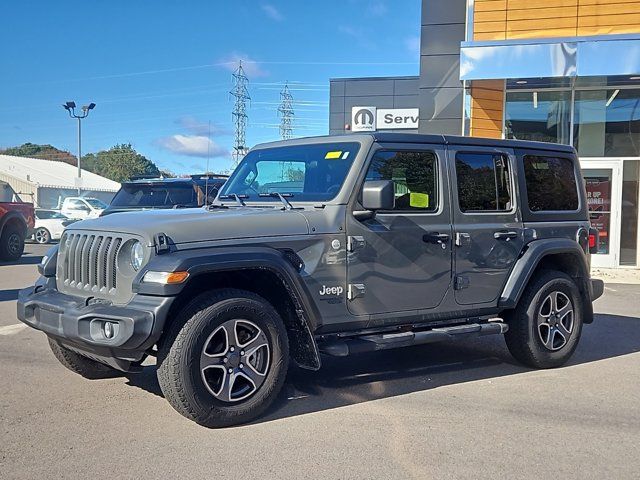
(157, 196)
(95, 203)
(303, 172)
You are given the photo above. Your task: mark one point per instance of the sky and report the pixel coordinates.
(160, 71)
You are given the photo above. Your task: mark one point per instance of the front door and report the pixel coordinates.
(487, 222)
(400, 260)
(604, 199)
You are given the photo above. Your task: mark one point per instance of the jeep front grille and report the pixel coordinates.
(89, 262)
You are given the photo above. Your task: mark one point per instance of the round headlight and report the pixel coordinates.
(137, 255)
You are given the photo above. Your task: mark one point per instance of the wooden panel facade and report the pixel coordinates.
(487, 108)
(513, 19)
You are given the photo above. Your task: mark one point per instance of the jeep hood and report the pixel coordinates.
(199, 224)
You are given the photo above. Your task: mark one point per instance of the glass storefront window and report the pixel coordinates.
(607, 123)
(543, 116)
(598, 186)
(629, 223)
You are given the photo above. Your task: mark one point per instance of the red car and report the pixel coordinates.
(17, 220)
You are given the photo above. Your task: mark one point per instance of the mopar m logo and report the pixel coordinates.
(331, 290)
(363, 119)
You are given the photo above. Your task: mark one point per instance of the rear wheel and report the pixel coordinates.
(225, 360)
(545, 327)
(79, 364)
(42, 235)
(11, 243)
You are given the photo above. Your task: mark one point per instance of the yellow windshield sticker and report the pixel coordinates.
(419, 200)
(333, 155)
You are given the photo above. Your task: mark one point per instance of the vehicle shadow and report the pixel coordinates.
(377, 375)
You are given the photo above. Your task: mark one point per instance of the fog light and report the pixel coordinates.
(108, 329)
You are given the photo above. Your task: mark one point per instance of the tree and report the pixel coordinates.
(45, 152)
(119, 163)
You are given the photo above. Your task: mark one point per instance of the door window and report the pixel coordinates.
(414, 175)
(484, 182)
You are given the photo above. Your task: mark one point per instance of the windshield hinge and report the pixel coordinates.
(161, 242)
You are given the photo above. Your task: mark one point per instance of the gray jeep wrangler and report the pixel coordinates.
(334, 245)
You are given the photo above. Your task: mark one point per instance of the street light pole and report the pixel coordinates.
(70, 107)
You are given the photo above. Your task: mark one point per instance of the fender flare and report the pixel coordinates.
(12, 215)
(534, 253)
(220, 259)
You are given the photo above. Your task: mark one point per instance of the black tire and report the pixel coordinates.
(180, 372)
(11, 243)
(42, 236)
(80, 364)
(529, 326)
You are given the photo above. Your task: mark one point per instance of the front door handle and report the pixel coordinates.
(435, 237)
(505, 235)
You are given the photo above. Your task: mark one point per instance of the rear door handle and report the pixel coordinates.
(435, 237)
(505, 235)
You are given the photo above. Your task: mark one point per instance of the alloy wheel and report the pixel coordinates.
(555, 320)
(235, 360)
(14, 244)
(42, 236)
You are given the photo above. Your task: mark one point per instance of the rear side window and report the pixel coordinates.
(551, 183)
(414, 176)
(484, 182)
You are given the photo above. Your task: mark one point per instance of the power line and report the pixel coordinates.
(241, 94)
(285, 110)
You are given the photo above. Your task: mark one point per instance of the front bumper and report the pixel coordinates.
(78, 325)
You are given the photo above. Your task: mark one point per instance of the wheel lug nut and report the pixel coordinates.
(231, 370)
(231, 349)
(241, 352)
(241, 366)
(225, 360)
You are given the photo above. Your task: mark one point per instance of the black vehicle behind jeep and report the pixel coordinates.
(333, 245)
(162, 193)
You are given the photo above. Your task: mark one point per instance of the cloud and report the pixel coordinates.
(360, 35)
(413, 44)
(272, 12)
(377, 9)
(251, 67)
(202, 128)
(192, 146)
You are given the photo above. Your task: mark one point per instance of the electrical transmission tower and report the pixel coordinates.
(285, 110)
(241, 95)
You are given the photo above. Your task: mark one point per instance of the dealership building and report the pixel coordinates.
(565, 71)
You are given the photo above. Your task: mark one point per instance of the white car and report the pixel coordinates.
(49, 225)
(80, 208)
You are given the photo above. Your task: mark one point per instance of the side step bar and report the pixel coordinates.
(341, 347)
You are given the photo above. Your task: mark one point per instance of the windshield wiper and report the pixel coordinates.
(281, 197)
(238, 198)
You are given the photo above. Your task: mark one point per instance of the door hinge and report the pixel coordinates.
(462, 239)
(355, 290)
(460, 282)
(353, 243)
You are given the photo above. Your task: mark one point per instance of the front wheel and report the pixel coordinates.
(225, 360)
(42, 235)
(80, 364)
(545, 327)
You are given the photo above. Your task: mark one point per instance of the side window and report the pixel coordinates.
(484, 182)
(415, 178)
(76, 205)
(551, 183)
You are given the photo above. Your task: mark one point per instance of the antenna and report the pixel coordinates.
(206, 180)
(285, 110)
(241, 95)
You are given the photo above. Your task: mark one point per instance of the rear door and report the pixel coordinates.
(488, 229)
(401, 260)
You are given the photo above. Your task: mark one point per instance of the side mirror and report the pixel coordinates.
(376, 195)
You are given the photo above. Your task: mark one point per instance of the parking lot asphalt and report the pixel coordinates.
(457, 410)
